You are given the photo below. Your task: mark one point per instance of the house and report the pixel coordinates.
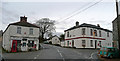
(116, 32)
(87, 36)
(54, 40)
(21, 36)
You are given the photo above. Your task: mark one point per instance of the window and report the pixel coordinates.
(99, 33)
(83, 42)
(68, 43)
(100, 43)
(95, 32)
(19, 30)
(30, 43)
(91, 32)
(91, 43)
(70, 35)
(107, 34)
(67, 34)
(24, 44)
(31, 31)
(83, 31)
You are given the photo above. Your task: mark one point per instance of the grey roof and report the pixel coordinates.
(88, 25)
(26, 24)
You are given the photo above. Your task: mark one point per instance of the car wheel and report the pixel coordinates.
(111, 56)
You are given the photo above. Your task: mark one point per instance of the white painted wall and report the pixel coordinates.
(12, 31)
(78, 42)
(55, 40)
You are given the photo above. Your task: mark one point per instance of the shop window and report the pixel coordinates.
(24, 44)
(30, 43)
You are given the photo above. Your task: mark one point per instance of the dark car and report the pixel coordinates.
(109, 52)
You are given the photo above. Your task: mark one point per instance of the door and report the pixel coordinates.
(24, 46)
(14, 46)
(72, 43)
(95, 44)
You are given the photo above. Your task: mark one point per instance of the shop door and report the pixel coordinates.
(14, 46)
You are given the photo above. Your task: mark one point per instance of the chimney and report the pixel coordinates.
(77, 23)
(23, 19)
(98, 25)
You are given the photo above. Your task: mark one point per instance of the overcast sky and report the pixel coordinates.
(64, 12)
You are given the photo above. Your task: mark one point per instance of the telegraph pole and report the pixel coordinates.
(117, 8)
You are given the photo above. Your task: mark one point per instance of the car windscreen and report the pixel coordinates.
(111, 49)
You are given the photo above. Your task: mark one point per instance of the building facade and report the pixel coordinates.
(116, 32)
(55, 40)
(21, 36)
(87, 36)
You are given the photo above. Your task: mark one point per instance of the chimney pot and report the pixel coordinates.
(98, 25)
(23, 19)
(77, 23)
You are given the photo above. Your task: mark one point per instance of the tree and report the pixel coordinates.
(62, 37)
(46, 27)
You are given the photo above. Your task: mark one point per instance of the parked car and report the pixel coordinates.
(46, 42)
(109, 52)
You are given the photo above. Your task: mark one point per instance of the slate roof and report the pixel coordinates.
(26, 24)
(88, 25)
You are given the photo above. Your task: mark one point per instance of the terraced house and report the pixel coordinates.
(88, 36)
(21, 36)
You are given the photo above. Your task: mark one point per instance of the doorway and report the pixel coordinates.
(14, 46)
(72, 43)
(95, 44)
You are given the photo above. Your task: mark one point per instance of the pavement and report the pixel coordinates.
(55, 52)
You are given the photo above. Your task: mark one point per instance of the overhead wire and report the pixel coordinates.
(82, 10)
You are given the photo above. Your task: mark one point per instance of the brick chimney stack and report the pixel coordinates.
(77, 23)
(23, 19)
(98, 25)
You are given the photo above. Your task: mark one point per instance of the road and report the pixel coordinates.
(54, 52)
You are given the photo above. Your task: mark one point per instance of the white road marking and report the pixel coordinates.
(91, 56)
(60, 54)
(35, 57)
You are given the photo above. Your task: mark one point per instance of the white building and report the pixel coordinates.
(55, 40)
(88, 36)
(21, 36)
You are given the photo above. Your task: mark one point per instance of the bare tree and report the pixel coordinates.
(46, 27)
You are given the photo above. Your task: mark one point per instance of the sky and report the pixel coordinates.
(64, 12)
